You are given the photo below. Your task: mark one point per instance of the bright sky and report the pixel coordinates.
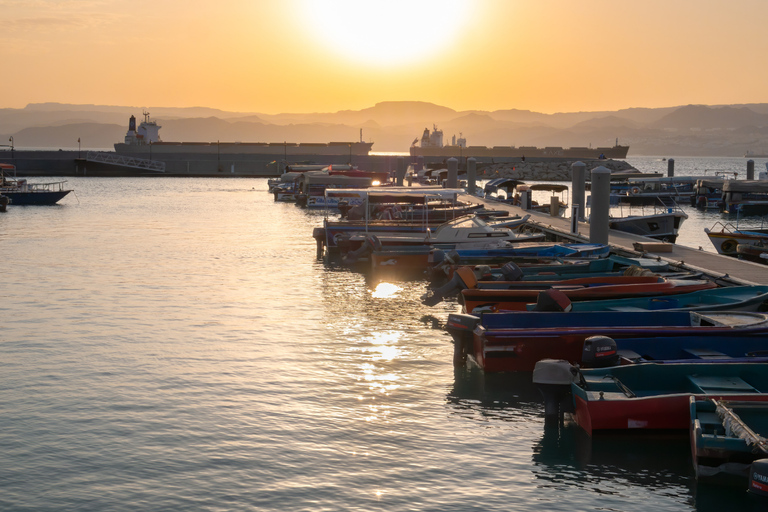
(275, 56)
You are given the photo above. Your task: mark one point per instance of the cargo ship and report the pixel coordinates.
(431, 146)
(145, 140)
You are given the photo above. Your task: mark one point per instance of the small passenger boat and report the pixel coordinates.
(499, 342)
(22, 193)
(657, 396)
(726, 237)
(727, 436)
(517, 300)
(727, 298)
(754, 252)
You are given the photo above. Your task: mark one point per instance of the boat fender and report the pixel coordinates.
(599, 352)
(758, 478)
(511, 272)
(729, 246)
(462, 278)
(553, 300)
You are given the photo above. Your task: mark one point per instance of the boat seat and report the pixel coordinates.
(629, 354)
(714, 385)
(705, 353)
(709, 418)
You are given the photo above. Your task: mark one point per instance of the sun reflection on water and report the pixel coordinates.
(385, 291)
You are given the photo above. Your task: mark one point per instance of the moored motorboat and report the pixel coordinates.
(727, 298)
(517, 300)
(726, 237)
(754, 252)
(656, 396)
(727, 436)
(22, 193)
(499, 342)
(663, 223)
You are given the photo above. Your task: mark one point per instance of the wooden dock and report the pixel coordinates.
(714, 265)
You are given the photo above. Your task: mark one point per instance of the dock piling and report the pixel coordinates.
(400, 176)
(750, 169)
(453, 173)
(578, 184)
(471, 175)
(601, 203)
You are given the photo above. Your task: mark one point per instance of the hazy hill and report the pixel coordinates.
(727, 130)
(703, 117)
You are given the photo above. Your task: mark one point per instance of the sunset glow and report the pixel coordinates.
(385, 32)
(273, 56)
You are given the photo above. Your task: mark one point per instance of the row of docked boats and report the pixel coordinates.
(673, 338)
(678, 352)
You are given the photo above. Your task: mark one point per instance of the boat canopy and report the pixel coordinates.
(548, 186)
(753, 186)
(669, 180)
(420, 195)
(338, 180)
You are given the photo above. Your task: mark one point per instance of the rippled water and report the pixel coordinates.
(173, 344)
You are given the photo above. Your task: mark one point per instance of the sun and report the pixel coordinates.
(385, 32)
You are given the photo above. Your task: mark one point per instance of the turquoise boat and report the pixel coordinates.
(730, 298)
(727, 436)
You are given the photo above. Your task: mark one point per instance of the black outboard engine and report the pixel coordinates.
(461, 327)
(553, 299)
(599, 352)
(463, 277)
(758, 479)
(553, 377)
(344, 208)
(511, 272)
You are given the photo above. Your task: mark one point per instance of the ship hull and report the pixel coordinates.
(497, 152)
(281, 150)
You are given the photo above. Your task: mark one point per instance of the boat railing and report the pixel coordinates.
(662, 205)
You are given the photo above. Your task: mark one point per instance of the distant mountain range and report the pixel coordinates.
(690, 130)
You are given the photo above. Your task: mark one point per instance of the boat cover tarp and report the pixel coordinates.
(501, 184)
(753, 186)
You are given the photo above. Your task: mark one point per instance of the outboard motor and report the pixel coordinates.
(344, 208)
(758, 478)
(370, 244)
(463, 277)
(553, 299)
(511, 272)
(599, 352)
(484, 273)
(461, 327)
(553, 377)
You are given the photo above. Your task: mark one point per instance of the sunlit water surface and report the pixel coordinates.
(173, 344)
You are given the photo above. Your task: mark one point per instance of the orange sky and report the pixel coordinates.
(276, 56)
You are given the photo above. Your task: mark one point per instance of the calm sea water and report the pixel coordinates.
(174, 345)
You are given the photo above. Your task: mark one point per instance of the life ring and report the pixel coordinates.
(729, 246)
(635, 190)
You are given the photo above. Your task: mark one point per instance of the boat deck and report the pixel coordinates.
(716, 265)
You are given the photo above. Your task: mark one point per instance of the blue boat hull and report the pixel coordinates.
(36, 198)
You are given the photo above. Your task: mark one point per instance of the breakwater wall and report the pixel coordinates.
(552, 170)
